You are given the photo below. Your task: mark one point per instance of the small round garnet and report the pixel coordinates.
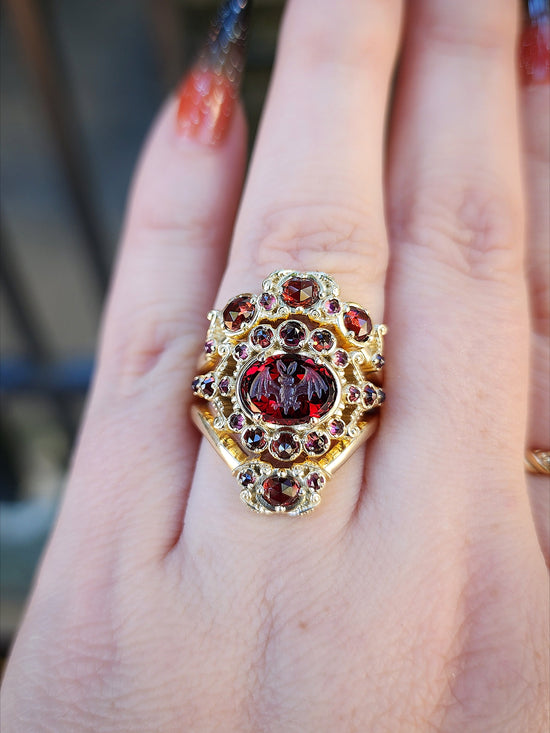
(262, 336)
(332, 306)
(285, 446)
(292, 334)
(288, 389)
(340, 358)
(280, 490)
(209, 346)
(322, 340)
(370, 394)
(378, 361)
(241, 351)
(208, 386)
(238, 312)
(316, 443)
(236, 421)
(254, 439)
(353, 394)
(336, 428)
(300, 292)
(358, 323)
(247, 478)
(267, 301)
(196, 385)
(315, 481)
(225, 385)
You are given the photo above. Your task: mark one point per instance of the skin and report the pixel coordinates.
(416, 597)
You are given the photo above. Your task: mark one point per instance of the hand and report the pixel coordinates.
(416, 597)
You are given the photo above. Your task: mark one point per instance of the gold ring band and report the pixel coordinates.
(537, 461)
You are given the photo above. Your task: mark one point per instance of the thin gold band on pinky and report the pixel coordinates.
(537, 461)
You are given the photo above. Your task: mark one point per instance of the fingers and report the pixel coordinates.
(173, 251)
(457, 309)
(535, 107)
(313, 199)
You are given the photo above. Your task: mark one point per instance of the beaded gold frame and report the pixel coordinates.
(289, 387)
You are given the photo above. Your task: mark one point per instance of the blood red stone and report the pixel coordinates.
(285, 446)
(287, 389)
(300, 292)
(292, 334)
(280, 491)
(357, 321)
(238, 312)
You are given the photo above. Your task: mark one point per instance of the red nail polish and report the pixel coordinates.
(208, 93)
(535, 44)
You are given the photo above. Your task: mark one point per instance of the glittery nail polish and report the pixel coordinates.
(208, 93)
(535, 43)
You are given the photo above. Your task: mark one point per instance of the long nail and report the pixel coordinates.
(208, 94)
(535, 43)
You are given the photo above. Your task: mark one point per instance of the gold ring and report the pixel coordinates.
(537, 461)
(289, 387)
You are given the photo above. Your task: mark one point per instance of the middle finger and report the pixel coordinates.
(314, 196)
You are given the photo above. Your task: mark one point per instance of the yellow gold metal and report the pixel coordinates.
(341, 376)
(537, 461)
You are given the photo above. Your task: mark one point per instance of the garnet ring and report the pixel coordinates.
(289, 387)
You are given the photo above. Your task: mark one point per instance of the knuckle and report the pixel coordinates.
(369, 32)
(339, 240)
(470, 230)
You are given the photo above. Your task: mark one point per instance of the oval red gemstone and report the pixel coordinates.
(288, 389)
(238, 312)
(300, 292)
(357, 321)
(280, 491)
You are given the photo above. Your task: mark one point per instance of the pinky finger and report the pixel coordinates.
(535, 76)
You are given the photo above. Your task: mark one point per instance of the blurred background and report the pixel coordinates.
(80, 82)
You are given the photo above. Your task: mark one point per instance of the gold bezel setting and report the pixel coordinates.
(289, 388)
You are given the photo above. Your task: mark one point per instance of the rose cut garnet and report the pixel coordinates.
(254, 439)
(285, 446)
(287, 389)
(322, 340)
(358, 323)
(280, 490)
(316, 443)
(292, 334)
(315, 481)
(238, 312)
(262, 336)
(300, 292)
(267, 301)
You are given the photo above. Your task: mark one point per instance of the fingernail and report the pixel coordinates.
(535, 43)
(208, 93)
